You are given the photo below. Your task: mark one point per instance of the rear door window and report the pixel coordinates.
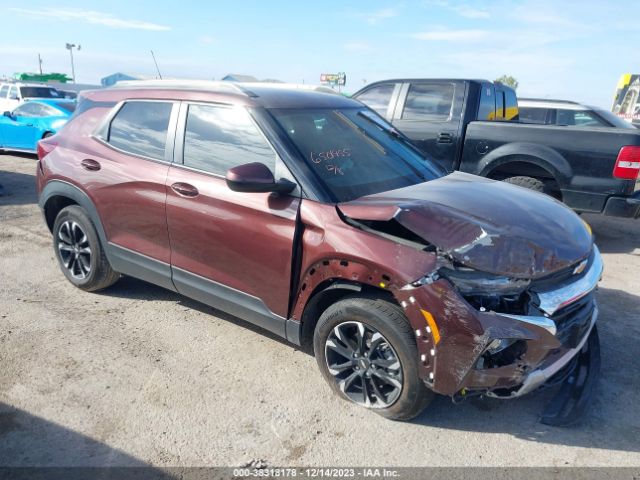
(429, 102)
(377, 98)
(141, 127)
(219, 138)
(3, 91)
(13, 94)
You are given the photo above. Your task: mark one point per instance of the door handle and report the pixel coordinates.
(184, 189)
(29, 124)
(90, 165)
(445, 137)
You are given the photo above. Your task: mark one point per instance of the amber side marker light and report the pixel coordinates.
(432, 324)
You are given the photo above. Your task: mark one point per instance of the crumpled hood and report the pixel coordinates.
(487, 225)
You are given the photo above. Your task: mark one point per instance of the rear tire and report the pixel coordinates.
(366, 351)
(527, 182)
(79, 252)
(47, 134)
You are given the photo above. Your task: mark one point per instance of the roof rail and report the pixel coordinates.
(528, 99)
(209, 85)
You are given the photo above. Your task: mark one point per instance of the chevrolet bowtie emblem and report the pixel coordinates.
(580, 268)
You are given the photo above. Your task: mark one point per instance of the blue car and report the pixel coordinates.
(31, 121)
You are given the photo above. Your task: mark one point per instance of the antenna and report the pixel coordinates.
(154, 61)
(40, 64)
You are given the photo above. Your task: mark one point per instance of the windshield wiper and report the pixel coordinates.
(392, 132)
(378, 122)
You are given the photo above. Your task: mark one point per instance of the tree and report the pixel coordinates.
(507, 80)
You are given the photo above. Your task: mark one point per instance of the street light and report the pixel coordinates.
(70, 47)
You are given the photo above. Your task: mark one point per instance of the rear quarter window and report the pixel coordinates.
(140, 128)
(511, 111)
(487, 107)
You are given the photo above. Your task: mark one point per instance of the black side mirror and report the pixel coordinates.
(256, 178)
(8, 114)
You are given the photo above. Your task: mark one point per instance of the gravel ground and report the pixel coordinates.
(139, 375)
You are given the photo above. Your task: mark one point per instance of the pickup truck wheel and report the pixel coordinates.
(79, 252)
(366, 351)
(527, 182)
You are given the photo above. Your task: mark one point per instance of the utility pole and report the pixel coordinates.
(40, 64)
(70, 47)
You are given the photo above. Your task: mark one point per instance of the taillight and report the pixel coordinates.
(45, 147)
(628, 163)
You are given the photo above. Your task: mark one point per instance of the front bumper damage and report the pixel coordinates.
(555, 343)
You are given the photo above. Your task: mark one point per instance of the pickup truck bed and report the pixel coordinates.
(578, 161)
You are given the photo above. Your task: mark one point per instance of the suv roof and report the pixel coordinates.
(549, 103)
(428, 79)
(251, 94)
(25, 84)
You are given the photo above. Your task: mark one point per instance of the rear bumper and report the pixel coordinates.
(628, 207)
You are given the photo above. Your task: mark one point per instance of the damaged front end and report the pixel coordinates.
(504, 338)
(567, 349)
(510, 306)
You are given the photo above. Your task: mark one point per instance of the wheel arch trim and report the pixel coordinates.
(538, 155)
(60, 188)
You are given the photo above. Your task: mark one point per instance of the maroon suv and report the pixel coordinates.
(310, 216)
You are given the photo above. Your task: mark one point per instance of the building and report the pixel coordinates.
(235, 77)
(114, 78)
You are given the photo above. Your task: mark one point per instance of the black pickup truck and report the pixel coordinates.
(473, 126)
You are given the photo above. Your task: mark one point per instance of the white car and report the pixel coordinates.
(12, 94)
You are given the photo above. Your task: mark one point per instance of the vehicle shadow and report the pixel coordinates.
(18, 188)
(132, 288)
(613, 421)
(615, 235)
(30, 441)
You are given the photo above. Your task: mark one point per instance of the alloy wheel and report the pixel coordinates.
(74, 249)
(364, 365)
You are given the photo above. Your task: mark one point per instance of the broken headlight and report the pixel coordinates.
(472, 282)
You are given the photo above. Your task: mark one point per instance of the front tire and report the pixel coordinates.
(79, 252)
(366, 351)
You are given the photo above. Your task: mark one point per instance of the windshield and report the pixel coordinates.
(39, 92)
(353, 152)
(613, 119)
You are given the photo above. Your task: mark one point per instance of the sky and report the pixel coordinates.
(573, 50)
